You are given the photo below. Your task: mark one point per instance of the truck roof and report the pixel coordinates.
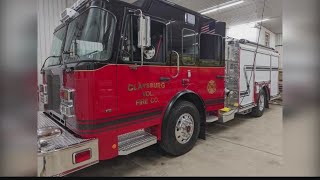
(145, 4)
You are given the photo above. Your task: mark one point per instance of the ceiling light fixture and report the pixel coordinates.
(259, 21)
(220, 6)
(253, 22)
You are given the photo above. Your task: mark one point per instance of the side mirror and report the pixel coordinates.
(73, 48)
(144, 36)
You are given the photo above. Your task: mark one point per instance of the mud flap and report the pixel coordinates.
(202, 134)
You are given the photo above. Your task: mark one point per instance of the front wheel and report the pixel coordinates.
(259, 109)
(181, 129)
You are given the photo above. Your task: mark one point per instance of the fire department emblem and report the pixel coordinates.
(211, 87)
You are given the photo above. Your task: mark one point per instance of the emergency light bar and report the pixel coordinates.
(67, 14)
(72, 11)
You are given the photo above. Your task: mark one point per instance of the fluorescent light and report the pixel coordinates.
(249, 23)
(221, 6)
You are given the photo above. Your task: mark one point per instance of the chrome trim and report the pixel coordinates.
(43, 93)
(56, 157)
(43, 98)
(134, 141)
(70, 94)
(67, 110)
(184, 128)
(178, 64)
(246, 108)
(56, 116)
(60, 162)
(67, 105)
(48, 133)
(43, 88)
(227, 116)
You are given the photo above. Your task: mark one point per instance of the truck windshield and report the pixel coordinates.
(56, 47)
(90, 36)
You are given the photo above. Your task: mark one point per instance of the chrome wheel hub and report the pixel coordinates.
(261, 103)
(184, 128)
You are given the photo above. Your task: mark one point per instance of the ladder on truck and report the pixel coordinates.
(232, 71)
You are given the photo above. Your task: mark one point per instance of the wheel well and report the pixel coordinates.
(197, 101)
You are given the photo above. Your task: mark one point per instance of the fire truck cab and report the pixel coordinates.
(122, 77)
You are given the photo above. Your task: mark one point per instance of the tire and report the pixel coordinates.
(261, 105)
(181, 112)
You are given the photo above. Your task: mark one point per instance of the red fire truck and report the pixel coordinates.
(124, 76)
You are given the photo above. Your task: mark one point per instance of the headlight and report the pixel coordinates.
(67, 110)
(44, 98)
(67, 94)
(67, 104)
(43, 88)
(43, 91)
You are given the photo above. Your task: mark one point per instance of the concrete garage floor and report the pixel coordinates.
(245, 146)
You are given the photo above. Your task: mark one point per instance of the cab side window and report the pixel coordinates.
(210, 51)
(189, 47)
(155, 54)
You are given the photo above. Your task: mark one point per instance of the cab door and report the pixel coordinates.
(212, 71)
(143, 90)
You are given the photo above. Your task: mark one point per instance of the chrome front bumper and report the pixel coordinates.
(57, 158)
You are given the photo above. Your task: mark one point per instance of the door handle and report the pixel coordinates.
(134, 67)
(164, 79)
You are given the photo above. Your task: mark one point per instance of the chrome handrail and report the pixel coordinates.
(178, 64)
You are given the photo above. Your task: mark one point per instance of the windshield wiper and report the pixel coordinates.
(89, 61)
(85, 61)
(91, 53)
(41, 70)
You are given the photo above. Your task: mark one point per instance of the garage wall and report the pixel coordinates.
(279, 48)
(251, 32)
(48, 18)
(272, 37)
(244, 31)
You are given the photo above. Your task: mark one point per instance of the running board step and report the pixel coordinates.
(211, 119)
(134, 141)
(227, 116)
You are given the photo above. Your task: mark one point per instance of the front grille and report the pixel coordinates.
(53, 82)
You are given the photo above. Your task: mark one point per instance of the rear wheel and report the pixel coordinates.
(181, 129)
(259, 109)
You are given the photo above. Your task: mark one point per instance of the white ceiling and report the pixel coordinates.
(248, 11)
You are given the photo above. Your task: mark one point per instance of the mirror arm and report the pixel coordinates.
(140, 12)
(142, 55)
(178, 64)
(141, 15)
